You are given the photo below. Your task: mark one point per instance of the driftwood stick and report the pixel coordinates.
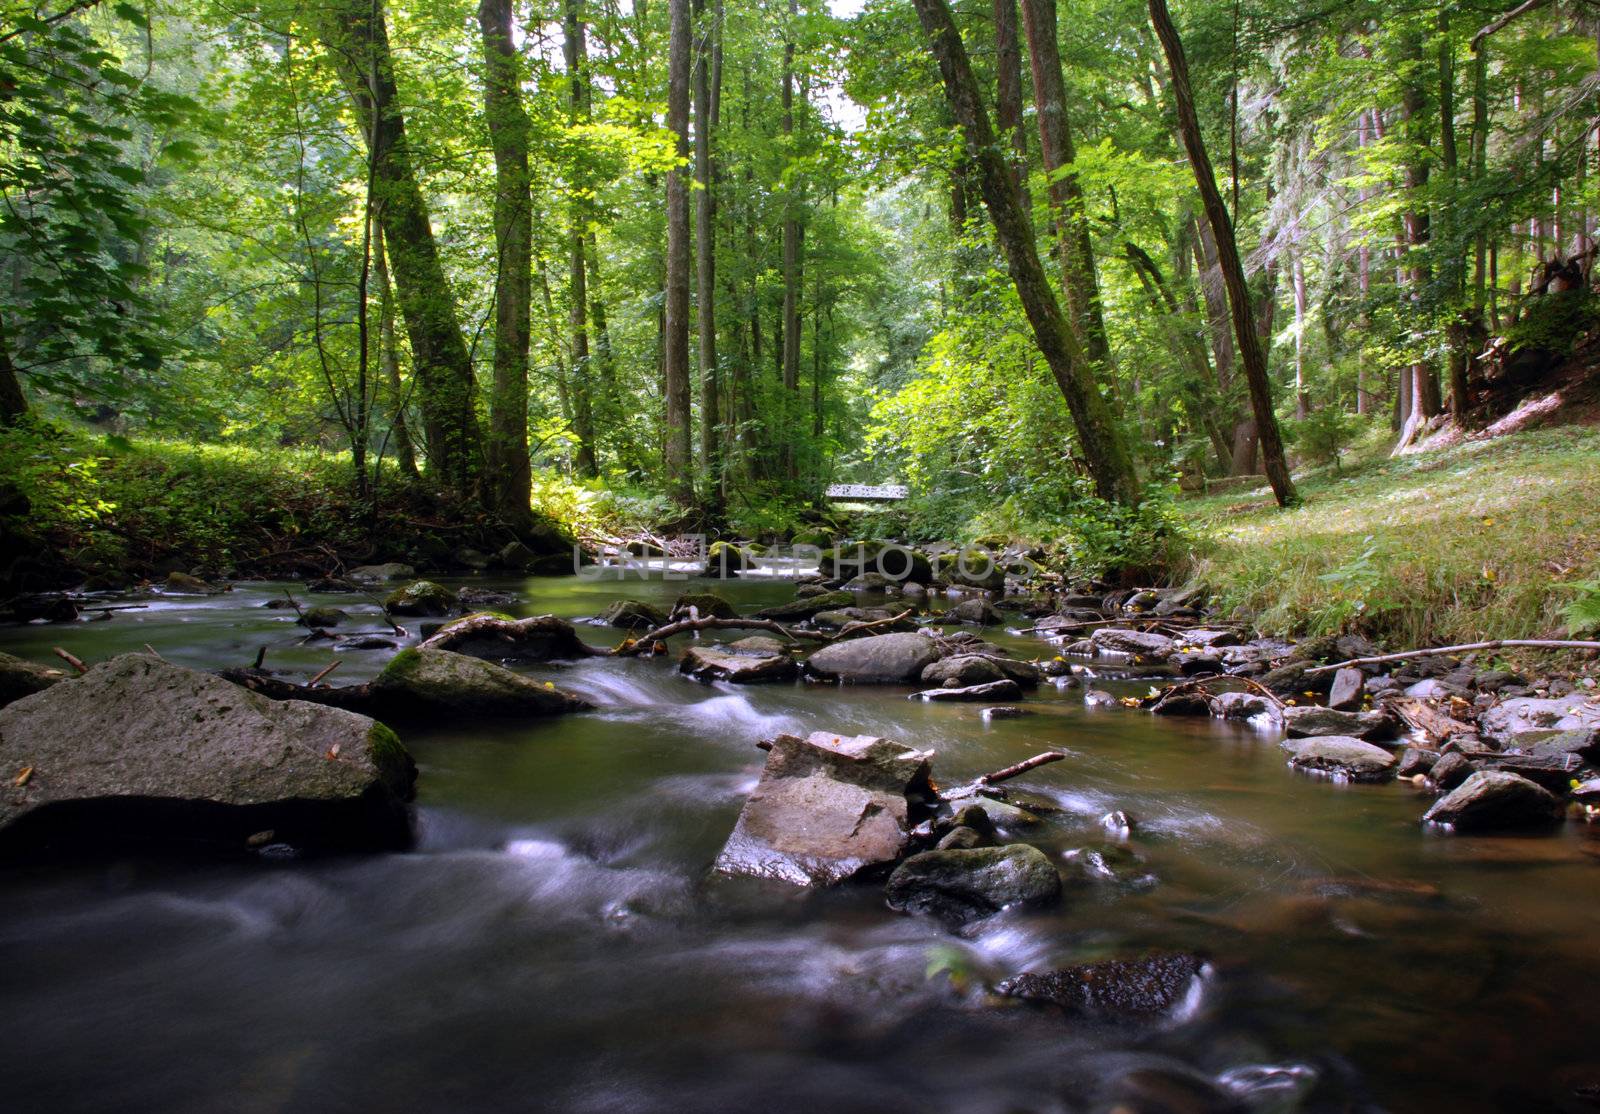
(70, 659)
(1201, 683)
(334, 664)
(1465, 647)
(261, 656)
(661, 634)
(153, 652)
(858, 626)
(1022, 767)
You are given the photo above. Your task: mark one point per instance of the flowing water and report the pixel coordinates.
(554, 942)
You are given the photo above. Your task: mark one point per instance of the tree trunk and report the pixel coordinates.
(1008, 92)
(1251, 354)
(707, 103)
(576, 53)
(1302, 397)
(793, 244)
(507, 478)
(13, 403)
(1066, 193)
(405, 453)
(1105, 451)
(358, 45)
(678, 456)
(1424, 392)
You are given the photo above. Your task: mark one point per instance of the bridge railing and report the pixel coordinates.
(886, 492)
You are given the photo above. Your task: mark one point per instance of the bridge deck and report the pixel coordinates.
(886, 492)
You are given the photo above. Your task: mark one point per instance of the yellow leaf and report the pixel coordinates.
(550, 685)
(22, 776)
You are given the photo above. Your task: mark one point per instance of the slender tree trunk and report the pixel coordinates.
(13, 403)
(679, 456)
(1424, 391)
(508, 480)
(1008, 92)
(1105, 451)
(405, 453)
(1251, 354)
(707, 103)
(358, 44)
(793, 246)
(1073, 240)
(1302, 399)
(576, 53)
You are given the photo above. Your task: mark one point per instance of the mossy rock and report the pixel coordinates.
(725, 559)
(426, 682)
(320, 618)
(897, 562)
(807, 607)
(821, 539)
(632, 615)
(706, 605)
(421, 597)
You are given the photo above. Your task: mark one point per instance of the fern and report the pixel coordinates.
(1582, 613)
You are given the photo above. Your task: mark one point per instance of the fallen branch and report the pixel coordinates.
(661, 634)
(1022, 767)
(857, 626)
(1497, 644)
(1200, 683)
(334, 664)
(75, 662)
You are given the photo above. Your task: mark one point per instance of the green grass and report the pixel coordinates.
(1478, 541)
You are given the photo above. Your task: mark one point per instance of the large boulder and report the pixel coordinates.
(421, 597)
(705, 605)
(1143, 644)
(141, 751)
(497, 638)
(746, 661)
(1345, 758)
(1492, 800)
(424, 681)
(1128, 988)
(808, 606)
(897, 562)
(1309, 721)
(1509, 718)
(962, 671)
(880, 659)
(962, 885)
(1241, 705)
(972, 567)
(20, 677)
(375, 574)
(632, 615)
(827, 807)
(980, 612)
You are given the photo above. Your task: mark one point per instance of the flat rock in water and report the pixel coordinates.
(1310, 721)
(705, 605)
(1344, 757)
(1492, 800)
(1123, 988)
(1209, 639)
(962, 669)
(632, 615)
(994, 690)
(140, 751)
(807, 607)
(1241, 705)
(425, 681)
(373, 574)
(422, 597)
(1529, 713)
(827, 807)
(20, 677)
(1155, 647)
(747, 661)
(879, 659)
(979, 612)
(496, 638)
(959, 886)
(482, 599)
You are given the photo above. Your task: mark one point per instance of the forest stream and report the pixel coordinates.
(555, 940)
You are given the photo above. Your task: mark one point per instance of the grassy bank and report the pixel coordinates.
(1481, 540)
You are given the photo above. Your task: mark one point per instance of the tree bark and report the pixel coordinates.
(707, 103)
(1105, 451)
(575, 51)
(507, 477)
(1073, 240)
(793, 246)
(1424, 393)
(13, 403)
(1008, 92)
(405, 453)
(1251, 355)
(358, 45)
(678, 455)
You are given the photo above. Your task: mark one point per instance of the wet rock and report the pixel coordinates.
(1451, 770)
(1241, 705)
(806, 591)
(321, 618)
(49, 607)
(893, 561)
(1587, 791)
(972, 567)
(365, 642)
(827, 807)
(1067, 621)
(332, 585)
(1108, 865)
(1348, 687)
(994, 690)
(484, 599)
(1190, 703)
(869, 582)
(1566, 713)
(807, 607)
(1495, 801)
(1116, 988)
(747, 661)
(425, 681)
(1099, 698)
(1310, 721)
(1584, 742)
(516, 556)
(1153, 647)
(706, 605)
(1493, 680)
(1415, 760)
(20, 677)
(960, 839)
(1345, 758)
(421, 597)
(836, 620)
(139, 750)
(878, 659)
(979, 612)
(1554, 772)
(181, 583)
(1197, 665)
(1118, 822)
(1209, 639)
(962, 670)
(496, 638)
(634, 615)
(1004, 711)
(376, 574)
(1291, 680)
(1435, 688)
(725, 559)
(960, 886)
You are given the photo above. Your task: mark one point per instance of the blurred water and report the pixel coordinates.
(554, 943)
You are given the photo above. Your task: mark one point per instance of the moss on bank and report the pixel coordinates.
(1477, 541)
